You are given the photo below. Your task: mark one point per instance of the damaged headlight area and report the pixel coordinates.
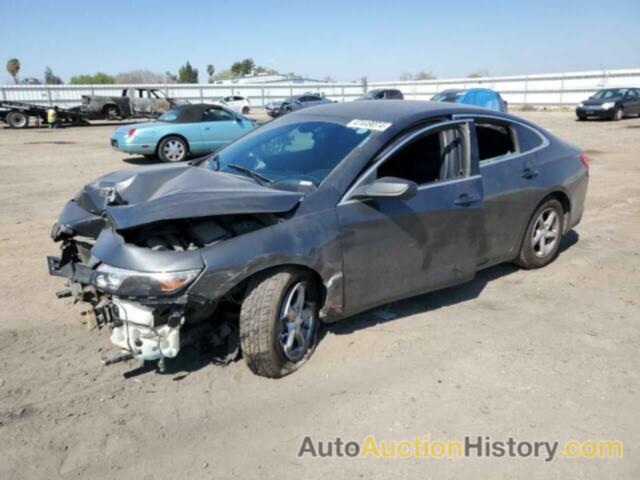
(131, 283)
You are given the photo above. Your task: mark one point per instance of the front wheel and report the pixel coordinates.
(172, 149)
(18, 120)
(617, 114)
(542, 238)
(245, 110)
(279, 322)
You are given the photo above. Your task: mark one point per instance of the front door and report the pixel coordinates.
(395, 248)
(218, 128)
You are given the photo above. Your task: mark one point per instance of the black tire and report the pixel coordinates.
(173, 143)
(531, 254)
(18, 120)
(111, 112)
(245, 110)
(581, 118)
(618, 113)
(262, 323)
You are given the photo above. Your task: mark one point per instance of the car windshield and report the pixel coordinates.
(609, 93)
(170, 116)
(447, 96)
(372, 94)
(303, 153)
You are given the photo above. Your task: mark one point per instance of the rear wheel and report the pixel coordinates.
(18, 120)
(172, 149)
(279, 322)
(245, 110)
(542, 238)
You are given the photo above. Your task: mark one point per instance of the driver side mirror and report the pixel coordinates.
(387, 187)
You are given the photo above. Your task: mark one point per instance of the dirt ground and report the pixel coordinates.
(551, 354)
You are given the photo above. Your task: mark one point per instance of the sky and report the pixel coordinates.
(346, 39)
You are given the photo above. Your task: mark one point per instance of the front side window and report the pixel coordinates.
(435, 157)
(216, 115)
(296, 152)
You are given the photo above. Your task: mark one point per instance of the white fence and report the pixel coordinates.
(537, 90)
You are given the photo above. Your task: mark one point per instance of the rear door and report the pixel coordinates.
(632, 101)
(510, 171)
(395, 248)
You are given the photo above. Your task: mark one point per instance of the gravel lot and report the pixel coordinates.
(551, 354)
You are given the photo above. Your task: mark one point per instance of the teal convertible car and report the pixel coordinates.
(181, 131)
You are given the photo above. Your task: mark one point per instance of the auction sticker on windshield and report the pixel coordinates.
(368, 125)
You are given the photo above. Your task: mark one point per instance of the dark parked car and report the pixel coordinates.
(613, 103)
(276, 109)
(313, 217)
(480, 97)
(383, 94)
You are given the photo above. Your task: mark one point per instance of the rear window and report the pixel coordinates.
(170, 116)
(494, 140)
(528, 139)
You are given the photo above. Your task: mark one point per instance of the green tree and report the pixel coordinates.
(99, 78)
(187, 74)
(50, 78)
(211, 71)
(13, 67)
(244, 67)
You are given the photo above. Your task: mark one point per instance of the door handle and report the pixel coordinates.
(207, 128)
(529, 173)
(465, 199)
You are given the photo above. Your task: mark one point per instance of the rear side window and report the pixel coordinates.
(494, 140)
(435, 157)
(528, 139)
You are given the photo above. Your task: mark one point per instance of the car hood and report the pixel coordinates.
(599, 101)
(140, 196)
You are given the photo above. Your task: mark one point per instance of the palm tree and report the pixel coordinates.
(13, 67)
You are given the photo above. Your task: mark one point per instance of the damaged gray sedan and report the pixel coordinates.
(314, 217)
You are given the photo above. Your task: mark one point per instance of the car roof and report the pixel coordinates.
(193, 112)
(391, 111)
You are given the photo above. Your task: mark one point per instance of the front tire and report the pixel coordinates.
(279, 322)
(245, 110)
(617, 115)
(542, 238)
(173, 149)
(18, 120)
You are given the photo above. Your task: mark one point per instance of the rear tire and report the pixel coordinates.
(279, 322)
(18, 120)
(542, 238)
(173, 149)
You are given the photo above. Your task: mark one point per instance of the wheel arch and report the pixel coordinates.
(111, 105)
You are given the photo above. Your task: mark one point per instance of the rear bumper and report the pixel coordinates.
(118, 143)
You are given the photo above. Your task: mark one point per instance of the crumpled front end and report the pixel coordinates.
(132, 248)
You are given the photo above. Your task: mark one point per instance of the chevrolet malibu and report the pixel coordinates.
(312, 218)
(181, 131)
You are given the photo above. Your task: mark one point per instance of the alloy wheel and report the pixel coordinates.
(173, 150)
(546, 233)
(297, 319)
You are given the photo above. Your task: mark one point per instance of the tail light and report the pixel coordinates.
(585, 161)
(131, 132)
